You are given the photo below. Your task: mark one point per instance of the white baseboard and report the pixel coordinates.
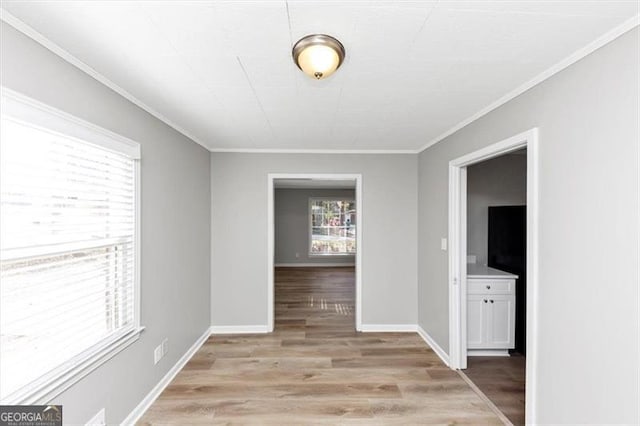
(409, 328)
(239, 329)
(316, 265)
(387, 328)
(432, 343)
(144, 405)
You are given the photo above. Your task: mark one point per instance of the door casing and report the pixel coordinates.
(271, 177)
(458, 254)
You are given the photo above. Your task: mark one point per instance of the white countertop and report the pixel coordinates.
(482, 271)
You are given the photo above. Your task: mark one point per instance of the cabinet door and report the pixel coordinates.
(476, 321)
(501, 321)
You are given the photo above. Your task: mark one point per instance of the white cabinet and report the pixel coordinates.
(490, 311)
(476, 321)
(502, 318)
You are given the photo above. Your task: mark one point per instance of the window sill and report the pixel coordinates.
(43, 393)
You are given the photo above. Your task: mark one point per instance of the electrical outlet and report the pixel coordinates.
(165, 347)
(157, 354)
(297, 255)
(98, 420)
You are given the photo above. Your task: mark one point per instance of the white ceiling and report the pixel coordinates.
(222, 73)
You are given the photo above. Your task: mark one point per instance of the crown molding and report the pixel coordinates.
(606, 38)
(64, 54)
(313, 151)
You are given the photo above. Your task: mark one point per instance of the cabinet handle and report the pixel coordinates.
(491, 300)
(488, 287)
(485, 300)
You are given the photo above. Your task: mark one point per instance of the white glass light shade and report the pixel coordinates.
(318, 55)
(318, 61)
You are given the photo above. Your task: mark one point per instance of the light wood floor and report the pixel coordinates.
(502, 380)
(316, 369)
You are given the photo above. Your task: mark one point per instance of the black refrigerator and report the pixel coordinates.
(507, 251)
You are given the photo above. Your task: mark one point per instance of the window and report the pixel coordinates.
(68, 263)
(333, 226)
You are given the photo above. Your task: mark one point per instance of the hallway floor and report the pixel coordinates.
(316, 369)
(502, 380)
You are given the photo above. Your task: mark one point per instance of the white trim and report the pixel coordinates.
(455, 273)
(270, 252)
(24, 109)
(433, 345)
(240, 329)
(271, 235)
(485, 399)
(137, 244)
(533, 247)
(314, 151)
(457, 255)
(497, 149)
(408, 328)
(136, 414)
(98, 419)
(549, 72)
(314, 265)
(359, 250)
(388, 328)
(44, 394)
(54, 48)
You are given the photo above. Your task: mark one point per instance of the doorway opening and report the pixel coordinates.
(314, 237)
(486, 267)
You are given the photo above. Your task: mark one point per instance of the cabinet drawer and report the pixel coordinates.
(506, 286)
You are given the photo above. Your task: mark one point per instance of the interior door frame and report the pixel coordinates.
(458, 254)
(271, 177)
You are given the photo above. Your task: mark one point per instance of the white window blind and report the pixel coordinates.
(67, 252)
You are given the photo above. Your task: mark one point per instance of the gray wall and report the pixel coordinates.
(239, 252)
(500, 181)
(291, 215)
(175, 226)
(587, 324)
(588, 295)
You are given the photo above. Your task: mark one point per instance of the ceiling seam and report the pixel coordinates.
(335, 113)
(286, 3)
(424, 23)
(178, 53)
(255, 94)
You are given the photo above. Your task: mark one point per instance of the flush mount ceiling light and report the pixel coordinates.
(318, 55)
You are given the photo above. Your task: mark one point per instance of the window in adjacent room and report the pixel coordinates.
(68, 248)
(333, 226)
